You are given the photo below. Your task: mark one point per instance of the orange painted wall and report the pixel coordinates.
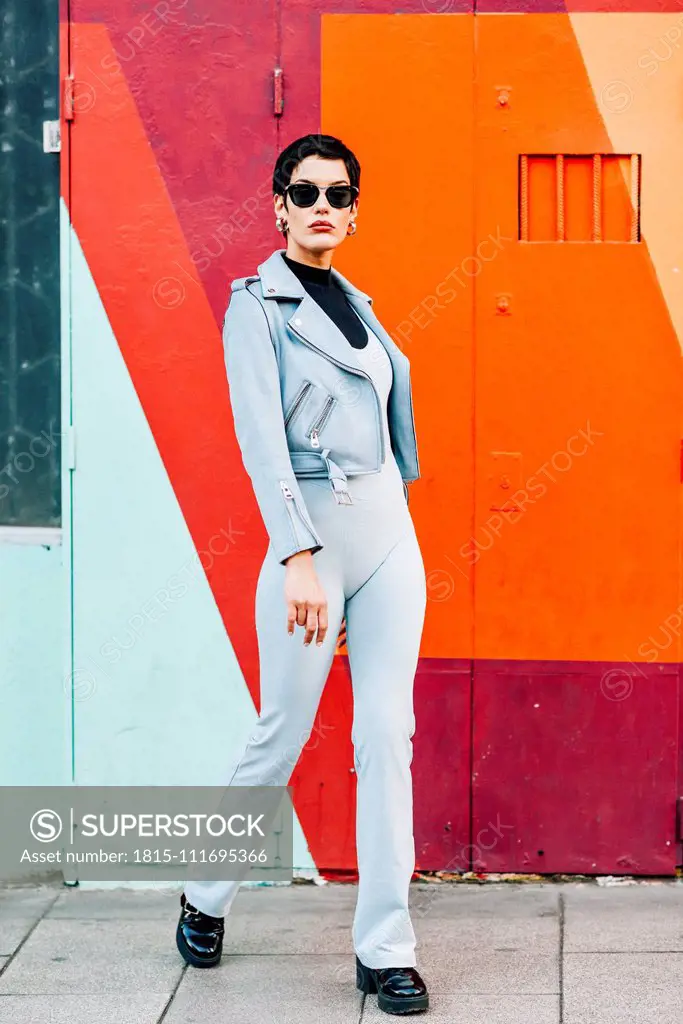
(414, 75)
(520, 349)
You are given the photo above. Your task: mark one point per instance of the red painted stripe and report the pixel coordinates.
(169, 338)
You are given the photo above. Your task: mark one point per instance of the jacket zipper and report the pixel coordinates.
(361, 373)
(321, 420)
(289, 499)
(298, 401)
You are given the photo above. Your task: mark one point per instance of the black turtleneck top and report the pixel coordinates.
(320, 285)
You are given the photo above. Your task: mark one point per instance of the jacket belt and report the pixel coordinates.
(302, 461)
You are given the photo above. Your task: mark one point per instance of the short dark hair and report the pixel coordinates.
(326, 146)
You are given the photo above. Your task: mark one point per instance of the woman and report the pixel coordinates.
(322, 406)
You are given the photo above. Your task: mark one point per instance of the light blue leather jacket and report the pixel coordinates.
(302, 403)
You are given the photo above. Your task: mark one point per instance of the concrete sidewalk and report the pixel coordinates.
(495, 953)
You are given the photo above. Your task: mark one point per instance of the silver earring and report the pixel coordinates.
(280, 223)
(351, 229)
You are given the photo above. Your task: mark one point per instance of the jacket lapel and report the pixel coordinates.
(315, 326)
(312, 322)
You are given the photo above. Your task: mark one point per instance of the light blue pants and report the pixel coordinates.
(372, 572)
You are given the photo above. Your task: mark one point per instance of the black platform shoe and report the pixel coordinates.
(199, 937)
(399, 989)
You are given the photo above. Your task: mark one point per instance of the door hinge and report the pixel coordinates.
(68, 97)
(278, 92)
(69, 449)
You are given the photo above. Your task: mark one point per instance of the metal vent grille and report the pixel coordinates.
(579, 197)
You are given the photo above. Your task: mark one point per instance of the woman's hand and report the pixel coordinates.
(306, 600)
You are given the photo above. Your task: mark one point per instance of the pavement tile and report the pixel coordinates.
(292, 919)
(493, 918)
(76, 956)
(476, 1009)
(623, 917)
(28, 900)
(116, 904)
(271, 990)
(81, 1009)
(483, 971)
(13, 932)
(623, 988)
(490, 898)
(20, 908)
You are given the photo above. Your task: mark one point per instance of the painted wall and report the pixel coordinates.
(33, 639)
(533, 280)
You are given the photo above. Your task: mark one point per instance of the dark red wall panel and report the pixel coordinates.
(575, 766)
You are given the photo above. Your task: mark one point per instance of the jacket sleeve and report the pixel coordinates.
(254, 387)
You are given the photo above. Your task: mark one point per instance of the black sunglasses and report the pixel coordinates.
(304, 193)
